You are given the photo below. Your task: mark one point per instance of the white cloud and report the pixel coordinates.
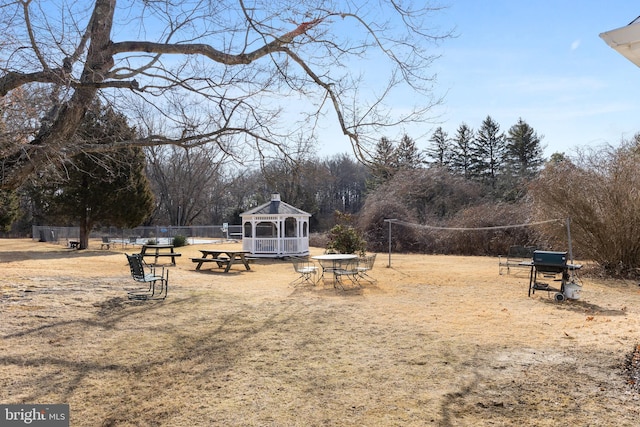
(575, 44)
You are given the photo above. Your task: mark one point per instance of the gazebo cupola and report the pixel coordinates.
(275, 230)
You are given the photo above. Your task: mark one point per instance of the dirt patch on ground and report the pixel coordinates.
(436, 340)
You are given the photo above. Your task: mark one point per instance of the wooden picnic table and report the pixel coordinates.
(222, 257)
(159, 251)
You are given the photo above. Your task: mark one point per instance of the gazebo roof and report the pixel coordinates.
(275, 207)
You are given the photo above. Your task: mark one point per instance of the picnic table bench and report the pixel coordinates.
(159, 251)
(219, 261)
(517, 256)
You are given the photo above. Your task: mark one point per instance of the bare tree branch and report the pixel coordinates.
(235, 73)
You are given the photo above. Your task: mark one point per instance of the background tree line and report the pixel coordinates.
(169, 185)
(474, 180)
(203, 186)
(88, 120)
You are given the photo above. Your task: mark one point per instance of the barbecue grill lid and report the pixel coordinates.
(549, 258)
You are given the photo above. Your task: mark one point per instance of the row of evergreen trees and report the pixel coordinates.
(487, 152)
(501, 161)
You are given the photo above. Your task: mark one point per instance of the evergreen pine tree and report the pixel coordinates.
(407, 154)
(488, 151)
(9, 209)
(523, 150)
(440, 150)
(384, 163)
(108, 188)
(461, 158)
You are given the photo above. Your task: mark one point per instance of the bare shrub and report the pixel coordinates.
(318, 240)
(485, 240)
(379, 206)
(435, 193)
(422, 198)
(427, 199)
(599, 191)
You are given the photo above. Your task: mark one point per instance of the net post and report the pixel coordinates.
(569, 239)
(390, 221)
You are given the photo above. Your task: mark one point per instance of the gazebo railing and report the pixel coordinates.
(264, 245)
(292, 245)
(273, 245)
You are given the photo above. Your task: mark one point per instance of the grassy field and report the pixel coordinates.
(437, 340)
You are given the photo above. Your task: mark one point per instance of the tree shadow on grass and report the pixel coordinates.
(454, 399)
(235, 270)
(581, 306)
(16, 256)
(206, 350)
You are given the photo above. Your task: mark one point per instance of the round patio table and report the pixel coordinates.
(329, 262)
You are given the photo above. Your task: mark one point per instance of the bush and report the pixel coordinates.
(345, 239)
(179, 241)
(490, 242)
(423, 196)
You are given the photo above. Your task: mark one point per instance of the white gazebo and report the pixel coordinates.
(275, 230)
(625, 40)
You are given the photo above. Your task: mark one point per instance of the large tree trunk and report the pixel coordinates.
(85, 229)
(52, 140)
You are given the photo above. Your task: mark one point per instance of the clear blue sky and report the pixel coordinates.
(542, 60)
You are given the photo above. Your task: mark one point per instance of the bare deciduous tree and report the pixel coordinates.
(235, 73)
(599, 191)
(186, 182)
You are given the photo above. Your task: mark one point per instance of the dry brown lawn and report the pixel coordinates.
(438, 340)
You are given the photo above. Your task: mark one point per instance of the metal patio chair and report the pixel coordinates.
(365, 264)
(347, 268)
(156, 285)
(307, 271)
